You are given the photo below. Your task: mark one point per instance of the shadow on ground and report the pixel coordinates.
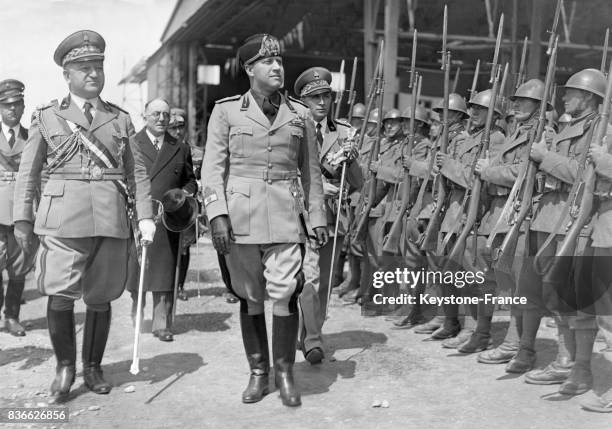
(31, 355)
(203, 322)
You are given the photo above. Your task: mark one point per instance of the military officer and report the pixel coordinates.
(17, 263)
(82, 219)
(334, 141)
(259, 145)
(456, 166)
(558, 169)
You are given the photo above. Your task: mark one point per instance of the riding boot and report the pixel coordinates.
(63, 338)
(95, 334)
(255, 340)
(284, 336)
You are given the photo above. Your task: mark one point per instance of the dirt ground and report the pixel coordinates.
(196, 381)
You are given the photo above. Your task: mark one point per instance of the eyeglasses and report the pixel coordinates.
(156, 115)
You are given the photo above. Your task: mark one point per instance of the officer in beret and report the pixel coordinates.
(334, 147)
(82, 219)
(260, 144)
(17, 263)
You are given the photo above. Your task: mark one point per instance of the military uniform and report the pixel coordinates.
(318, 261)
(12, 258)
(251, 171)
(82, 219)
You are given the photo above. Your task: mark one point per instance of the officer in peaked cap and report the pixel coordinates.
(82, 219)
(313, 87)
(258, 144)
(17, 263)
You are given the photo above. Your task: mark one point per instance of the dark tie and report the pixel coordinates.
(11, 141)
(87, 110)
(268, 109)
(319, 135)
(156, 144)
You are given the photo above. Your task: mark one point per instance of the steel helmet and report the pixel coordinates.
(590, 80)
(420, 114)
(455, 103)
(392, 114)
(359, 111)
(533, 88)
(373, 117)
(483, 99)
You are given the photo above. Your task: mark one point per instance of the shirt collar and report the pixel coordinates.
(80, 101)
(160, 139)
(6, 128)
(323, 123)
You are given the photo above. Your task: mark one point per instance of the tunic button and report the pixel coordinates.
(270, 181)
(269, 148)
(270, 165)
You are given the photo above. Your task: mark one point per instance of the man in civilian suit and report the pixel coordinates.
(169, 165)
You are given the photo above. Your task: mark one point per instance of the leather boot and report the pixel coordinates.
(449, 329)
(95, 334)
(284, 336)
(431, 326)
(523, 361)
(580, 379)
(255, 340)
(12, 304)
(62, 334)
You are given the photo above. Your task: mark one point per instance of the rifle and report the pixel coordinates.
(520, 77)
(473, 92)
(429, 237)
(518, 205)
(391, 240)
(367, 200)
(473, 194)
(604, 55)
(339, 94)
(456, 80)
(579, 205)
(352, 93)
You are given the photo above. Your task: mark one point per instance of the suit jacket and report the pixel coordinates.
(167, 169)
(79, 208)
(250, 170)
(7, 186)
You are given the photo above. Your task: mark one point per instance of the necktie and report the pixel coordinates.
(11, 141)
(156, 143)
(319, 135)
(268, 109)
(87, 111)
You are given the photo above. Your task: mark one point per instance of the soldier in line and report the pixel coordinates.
(416, 163)
(334, 147)
(12, 258)
(82, 219)
(354, 250)
(558, 169)
(257, 145)
(455, 166)
(457, 113)
(500, 170)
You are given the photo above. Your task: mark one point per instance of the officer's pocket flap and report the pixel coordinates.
(234, 131)
(241, 188)
(54, 189)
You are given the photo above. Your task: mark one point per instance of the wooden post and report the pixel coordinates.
(370, 13)
(535, 51)
(392, 11)
(191, 90)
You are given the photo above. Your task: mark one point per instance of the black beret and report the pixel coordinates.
(258, 47)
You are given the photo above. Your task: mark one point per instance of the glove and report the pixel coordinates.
(23, 232)
(221, 232)
(322, 235)
(147, 230)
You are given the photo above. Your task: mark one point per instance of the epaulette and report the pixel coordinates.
(232, 98)
(116, 107)
(47, 105)
(297, 101)
(342, 122)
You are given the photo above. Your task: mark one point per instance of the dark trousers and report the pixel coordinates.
(162, 309)
(12, 298)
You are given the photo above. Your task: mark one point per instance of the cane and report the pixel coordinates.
(197, 228)
(176, 274)
(134, 369)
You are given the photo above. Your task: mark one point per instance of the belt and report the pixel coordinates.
(266, 174)
(94, 173)
(8, 176)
